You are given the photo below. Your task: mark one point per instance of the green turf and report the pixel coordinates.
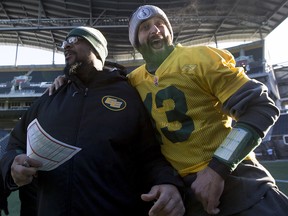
(277, 168)
(13, 204)
(279, 171)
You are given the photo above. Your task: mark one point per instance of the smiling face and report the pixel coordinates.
(154, 41)
(154, 36)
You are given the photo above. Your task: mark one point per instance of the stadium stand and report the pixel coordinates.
(281, 126)
(5, 90)
(8, 76)
(44, 76)
(19, 87)
(3, 134)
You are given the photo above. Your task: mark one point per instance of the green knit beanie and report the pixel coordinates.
(94, 37)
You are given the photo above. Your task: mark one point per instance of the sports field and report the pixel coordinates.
(278, 168)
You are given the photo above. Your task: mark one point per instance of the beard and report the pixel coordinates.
(72, 69)
(151, 54)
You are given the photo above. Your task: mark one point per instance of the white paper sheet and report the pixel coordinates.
(43, 147)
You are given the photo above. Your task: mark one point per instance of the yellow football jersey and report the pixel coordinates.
(184, 98)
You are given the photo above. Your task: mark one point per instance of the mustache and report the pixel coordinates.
(156, 37)
(67, 52)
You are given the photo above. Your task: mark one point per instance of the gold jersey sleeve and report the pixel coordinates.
(185, 97)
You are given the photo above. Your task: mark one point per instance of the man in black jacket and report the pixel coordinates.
(120, 161)
(27, 193)
(4, 194)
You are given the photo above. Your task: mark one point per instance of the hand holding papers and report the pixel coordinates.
(50, 151)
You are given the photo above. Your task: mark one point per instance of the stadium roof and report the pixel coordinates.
(45, 23)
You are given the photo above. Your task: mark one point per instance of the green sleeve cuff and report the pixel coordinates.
(241, 140)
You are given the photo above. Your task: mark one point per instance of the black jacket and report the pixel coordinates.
(120, 157)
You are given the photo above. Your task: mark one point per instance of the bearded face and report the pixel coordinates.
(156, 45)
(154, 39)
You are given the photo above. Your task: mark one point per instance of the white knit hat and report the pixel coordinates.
(94, 37)
(142, 14)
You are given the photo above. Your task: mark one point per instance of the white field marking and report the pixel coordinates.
(281, 181)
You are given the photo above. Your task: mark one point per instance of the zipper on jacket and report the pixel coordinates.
(85, 91)
(76, 92)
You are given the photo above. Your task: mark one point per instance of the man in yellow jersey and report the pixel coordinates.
(192, 95)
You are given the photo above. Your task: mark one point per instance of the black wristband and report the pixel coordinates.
(222, 169)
